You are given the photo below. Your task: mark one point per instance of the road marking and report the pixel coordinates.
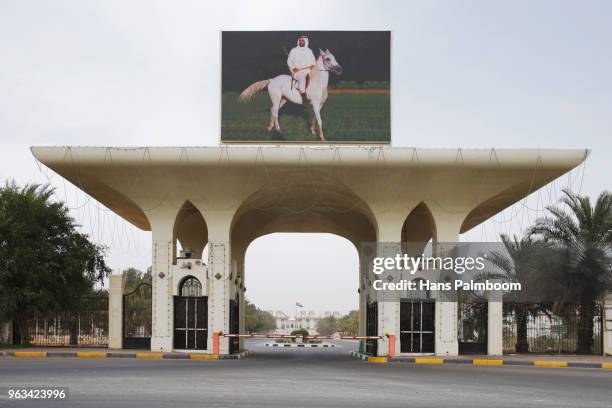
(204, 357)
(429, 360)
(30, 354)
(550, 363)
(91, 355)
(150, 355)
(377, 359)
(487, 362)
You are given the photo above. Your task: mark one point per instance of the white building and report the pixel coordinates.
(308, 320)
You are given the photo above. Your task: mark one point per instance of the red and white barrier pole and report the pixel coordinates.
(290, 336)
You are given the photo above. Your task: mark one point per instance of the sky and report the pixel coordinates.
(479, 74)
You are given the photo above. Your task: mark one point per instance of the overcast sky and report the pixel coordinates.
(481, 74)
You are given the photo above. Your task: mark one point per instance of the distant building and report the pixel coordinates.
(308, 320)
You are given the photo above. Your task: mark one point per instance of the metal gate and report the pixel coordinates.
(417, 326)
(191, 322)
(472, 327)
(234, 323)
(552, 328)
(137, 313)
(372, 328)
(88, 328)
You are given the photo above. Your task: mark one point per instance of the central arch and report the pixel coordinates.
(313, 207)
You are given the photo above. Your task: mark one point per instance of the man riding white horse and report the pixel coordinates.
(282, 90)
(300, 60)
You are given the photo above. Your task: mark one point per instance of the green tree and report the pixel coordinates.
(584, 232)
(257, 320)
(349, 324)
(522, 263)
(133, 277)
(46, 265)
(327, 326)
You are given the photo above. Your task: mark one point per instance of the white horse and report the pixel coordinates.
(281, 89)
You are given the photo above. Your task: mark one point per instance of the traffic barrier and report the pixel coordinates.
(293, 336)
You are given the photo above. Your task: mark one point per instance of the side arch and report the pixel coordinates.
(190, 230)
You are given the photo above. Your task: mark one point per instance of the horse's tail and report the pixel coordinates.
(255, 87)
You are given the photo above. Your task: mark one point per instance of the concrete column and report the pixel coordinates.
(115, 312)
(607, 330)
(389, 232)
(162, 224)
(220, 269)
(447, 235)
(495, 328)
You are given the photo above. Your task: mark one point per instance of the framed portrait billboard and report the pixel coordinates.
(306, 87)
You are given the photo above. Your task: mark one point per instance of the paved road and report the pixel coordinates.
(303, 378)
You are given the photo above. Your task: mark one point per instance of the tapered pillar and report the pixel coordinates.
(389, 245)
(220, 270)
(162, 251)
(447, 236)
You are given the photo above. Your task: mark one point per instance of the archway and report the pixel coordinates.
(301, 278)
(190, 316)
(191, 286)
(190, 231)
(301, 208)
(417, 314)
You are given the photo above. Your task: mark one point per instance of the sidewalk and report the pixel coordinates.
(101, 352)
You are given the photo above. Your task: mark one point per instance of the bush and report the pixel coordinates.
(299, 332)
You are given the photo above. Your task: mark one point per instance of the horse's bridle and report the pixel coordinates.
(326, 66)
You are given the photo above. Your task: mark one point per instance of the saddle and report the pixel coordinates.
(294, 82)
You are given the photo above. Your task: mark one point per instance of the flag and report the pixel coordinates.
(298, 304)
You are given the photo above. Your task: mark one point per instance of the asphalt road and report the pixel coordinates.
(301, 378)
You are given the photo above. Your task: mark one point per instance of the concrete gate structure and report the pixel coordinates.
(225, 197)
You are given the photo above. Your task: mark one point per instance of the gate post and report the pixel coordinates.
(218, 263)
(115, 312)
(495, 328)
(607, 325)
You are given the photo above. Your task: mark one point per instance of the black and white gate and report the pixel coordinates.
(417, 326)
(190, 317)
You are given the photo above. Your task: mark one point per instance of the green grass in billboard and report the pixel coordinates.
(350, 117)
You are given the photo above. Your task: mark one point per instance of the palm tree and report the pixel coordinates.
(584, 233)
(519, 263)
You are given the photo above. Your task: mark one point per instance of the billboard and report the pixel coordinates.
(306, 86)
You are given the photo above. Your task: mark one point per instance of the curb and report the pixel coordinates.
(237, 356)
(479, 362)
(147, 356)
(300, 345)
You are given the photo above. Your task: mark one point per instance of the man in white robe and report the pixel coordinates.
(300, 60)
